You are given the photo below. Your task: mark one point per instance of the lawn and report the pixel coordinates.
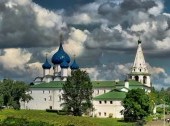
(58, 120)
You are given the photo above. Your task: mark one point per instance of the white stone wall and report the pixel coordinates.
(47, 79)
(104, 108)
(148, 81)
(44, 99)
(100, 91)
(41, 98)
(64, 72)
(52, 98)
(46, 72)
(57, 69)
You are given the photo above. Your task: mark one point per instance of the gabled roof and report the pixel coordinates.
(112, 95)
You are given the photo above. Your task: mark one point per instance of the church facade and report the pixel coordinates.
(107, 95)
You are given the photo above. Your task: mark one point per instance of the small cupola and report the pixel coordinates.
(74, 65)
(46, 64)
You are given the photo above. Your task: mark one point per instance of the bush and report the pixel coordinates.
(160, 116)
(70, 125)
(140, 123)
(52, 110)
(110, 115)
(95, 115)
(59, 112)
(159, 110)
(12, 121)
(62, 112)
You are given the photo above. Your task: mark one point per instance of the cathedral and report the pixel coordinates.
(107, 95)
(61, 64)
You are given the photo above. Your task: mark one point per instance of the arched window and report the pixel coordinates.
(136, 78)
(144, 79)
(60, 98)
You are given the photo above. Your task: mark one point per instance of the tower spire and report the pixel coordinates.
(46, 55)
(61, 39)
(139, 64)
(74, 56)
(139, 70)
(139, 40)
(61, 42)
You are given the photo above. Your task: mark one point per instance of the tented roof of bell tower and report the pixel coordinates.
(139, 65)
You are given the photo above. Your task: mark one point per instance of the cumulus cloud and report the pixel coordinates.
(109, 72)
(26, 24)
(142, 18)
(14, 58)
(103, 35)
(156, 10)
(75, 42)
(14, 64)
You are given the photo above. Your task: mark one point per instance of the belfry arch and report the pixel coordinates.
(144, 79)
(137, 78)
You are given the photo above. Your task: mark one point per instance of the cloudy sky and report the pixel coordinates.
(102, 34)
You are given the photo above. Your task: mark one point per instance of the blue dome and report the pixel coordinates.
(60, 56)
(46, 65)
(74, 65)
(64, 64)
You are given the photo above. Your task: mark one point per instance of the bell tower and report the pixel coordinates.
(139, 71)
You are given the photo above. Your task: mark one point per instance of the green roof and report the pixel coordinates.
(131, 83)
(100, 84)
(58, 84)
(112, 95)
(52, 84)
(96, 84)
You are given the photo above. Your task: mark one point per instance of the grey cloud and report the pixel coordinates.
(127, 16)
(15, 73)
(110, 71)
(19, 27)
(105, 44)
(126, 12)
(130, 5)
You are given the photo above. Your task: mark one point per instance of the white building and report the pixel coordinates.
(107, 96)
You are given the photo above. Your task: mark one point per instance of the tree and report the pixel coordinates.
(11, 92)
(77, 93)
(136, 104)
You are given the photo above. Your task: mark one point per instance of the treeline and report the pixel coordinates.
(11, 92)
(160, 96)
(138, 104)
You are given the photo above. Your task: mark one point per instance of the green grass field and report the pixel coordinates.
(58, 120)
